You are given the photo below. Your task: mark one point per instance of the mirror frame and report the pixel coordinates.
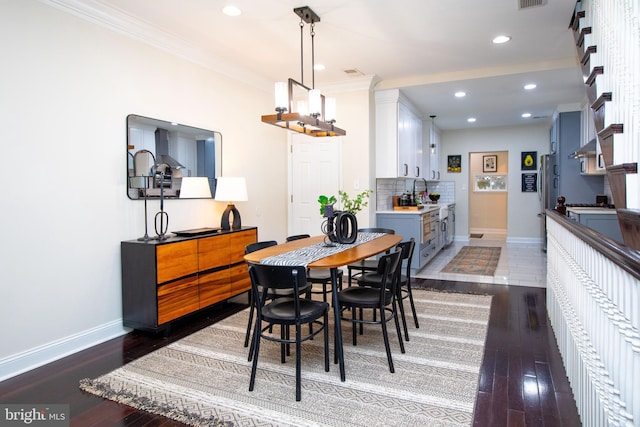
(179, 151)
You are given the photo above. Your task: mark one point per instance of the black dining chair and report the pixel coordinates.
(293, 310)
(321, 276)
(381, 301)
(357, 268)
(271, 294)
(404, 282)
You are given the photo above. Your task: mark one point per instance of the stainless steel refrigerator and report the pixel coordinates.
(547, 189)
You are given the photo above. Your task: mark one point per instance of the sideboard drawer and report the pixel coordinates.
(177, 298)
(177, 260)
(213, 252)
(214, 287)
(240, 281)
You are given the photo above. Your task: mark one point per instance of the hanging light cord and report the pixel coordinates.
(313, 56)
(301, 51)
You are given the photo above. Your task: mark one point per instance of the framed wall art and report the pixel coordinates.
(454, 164)
(528, 160)
(490, 163)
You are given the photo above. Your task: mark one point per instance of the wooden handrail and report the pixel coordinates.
(622, 256)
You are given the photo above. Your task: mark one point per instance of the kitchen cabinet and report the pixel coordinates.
(602, 220)
(398, 137)
(433, 144)
(569, 180)
(165, 280)
(423, 226)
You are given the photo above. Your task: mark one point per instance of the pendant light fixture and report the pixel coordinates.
(313, 115)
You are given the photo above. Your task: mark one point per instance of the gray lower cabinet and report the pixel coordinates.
(605, 224)
(424, 227)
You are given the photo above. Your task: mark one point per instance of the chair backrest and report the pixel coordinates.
(277, 277)
(297, 237)
(252, 247)
(377, 230)
(407, 249)
(388, 268)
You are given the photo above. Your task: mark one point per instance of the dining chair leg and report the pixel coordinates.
(298, 362)
(395, 317)
(255, 349)
(326, 342)
(249, 325)
(353, 324)
(413, 306)
(404, 319)
(385, 336)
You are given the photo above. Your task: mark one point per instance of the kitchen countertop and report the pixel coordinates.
(592, 210)
(427, 208)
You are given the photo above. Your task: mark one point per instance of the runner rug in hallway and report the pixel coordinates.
(203, 379)
(481, 260)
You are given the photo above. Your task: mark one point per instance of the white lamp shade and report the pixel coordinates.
(231, 189)
(195, 187)
(315, 102)
(330, 109)
(282, 98)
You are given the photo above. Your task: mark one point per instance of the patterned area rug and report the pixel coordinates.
(481, 260)
(203, 379)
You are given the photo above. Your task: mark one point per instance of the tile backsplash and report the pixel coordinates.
(386, 188)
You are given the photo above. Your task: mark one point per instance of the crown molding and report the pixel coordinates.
(115, 20)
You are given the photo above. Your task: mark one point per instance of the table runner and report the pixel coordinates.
(309, 254)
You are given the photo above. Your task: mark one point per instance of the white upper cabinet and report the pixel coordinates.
(433, 143)
(398, 137)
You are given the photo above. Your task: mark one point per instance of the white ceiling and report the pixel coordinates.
(428, 48)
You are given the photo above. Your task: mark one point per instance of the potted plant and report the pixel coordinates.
(341, 226)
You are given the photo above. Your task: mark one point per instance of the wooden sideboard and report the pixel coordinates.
(165, 280)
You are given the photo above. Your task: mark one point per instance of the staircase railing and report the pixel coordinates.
(607, 34)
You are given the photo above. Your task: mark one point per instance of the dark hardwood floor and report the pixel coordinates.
(522, 381)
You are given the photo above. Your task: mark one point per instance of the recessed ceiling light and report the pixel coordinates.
(530, 86)
(231, 10)
(471, 119)
(319, 67)
(501, 39)
(526, 115)
(460, 94)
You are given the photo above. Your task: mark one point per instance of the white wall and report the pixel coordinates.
(523, 224)
(67, 86)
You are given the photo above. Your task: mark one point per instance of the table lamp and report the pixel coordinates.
(195, 187)
(231, 189)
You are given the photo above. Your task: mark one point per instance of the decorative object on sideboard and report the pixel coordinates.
(162, 218)
(231, 189)
(319, 117)
(143, 162)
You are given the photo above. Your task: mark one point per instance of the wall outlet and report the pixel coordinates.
(356, 184)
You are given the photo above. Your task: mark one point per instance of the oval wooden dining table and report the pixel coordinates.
(333, 262)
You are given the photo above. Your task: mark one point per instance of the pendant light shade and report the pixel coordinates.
(315, 103)
(282, 100)
(310, 116)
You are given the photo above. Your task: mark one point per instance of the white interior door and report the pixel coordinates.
(315, 165)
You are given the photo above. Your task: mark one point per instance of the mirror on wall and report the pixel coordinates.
(161, 154)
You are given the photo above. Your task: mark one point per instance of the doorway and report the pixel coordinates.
(488, 195)
(315, 168)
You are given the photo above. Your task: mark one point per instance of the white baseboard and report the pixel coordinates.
(38, 356)
(526, 240)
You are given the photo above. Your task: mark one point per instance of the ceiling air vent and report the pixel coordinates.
(353, 72)
(524, 4)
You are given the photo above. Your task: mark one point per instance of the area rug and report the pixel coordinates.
(203, 379)
(481, 260)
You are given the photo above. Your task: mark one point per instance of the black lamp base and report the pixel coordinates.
(237, 222)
